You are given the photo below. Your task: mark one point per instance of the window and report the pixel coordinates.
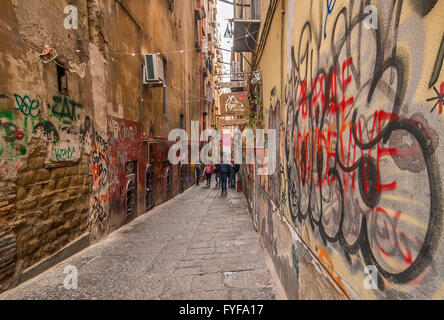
(182, 119)
(62, 80)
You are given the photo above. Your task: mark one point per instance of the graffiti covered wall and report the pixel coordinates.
(45, 137)
(360, 154)
(126, 168)
(75, 130)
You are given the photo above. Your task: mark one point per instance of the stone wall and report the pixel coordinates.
(63, 162)
(45, 134)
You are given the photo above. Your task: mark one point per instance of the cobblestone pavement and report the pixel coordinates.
(199, 245)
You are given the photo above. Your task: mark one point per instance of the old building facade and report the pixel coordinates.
(354, 208)
(81, 155)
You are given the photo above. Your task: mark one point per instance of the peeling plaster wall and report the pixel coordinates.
(150, 27)
(121, 102)
(65, 152)
(359, 150)
(45, 135)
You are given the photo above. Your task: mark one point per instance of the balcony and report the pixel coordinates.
(204, 11)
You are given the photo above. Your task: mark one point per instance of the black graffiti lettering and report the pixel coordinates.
(438, 65)
(49, 131)
(98, 217)
(325, 162)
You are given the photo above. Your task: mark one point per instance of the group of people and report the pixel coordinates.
(225, 173)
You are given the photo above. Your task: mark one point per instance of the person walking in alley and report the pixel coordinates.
(208, 173)
(232, 175)
(197, 173)
(225, 171)
(216, 172)
(236, 169)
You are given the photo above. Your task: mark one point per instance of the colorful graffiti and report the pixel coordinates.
(27, 121)
(99, 214)
(360, 154)
(13, 136)
(439, 98)
(326, 262)
(100, 165)
(11, 132)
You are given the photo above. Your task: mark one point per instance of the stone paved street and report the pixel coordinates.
(199, 245)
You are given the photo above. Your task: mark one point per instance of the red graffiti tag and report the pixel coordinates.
(12, 132)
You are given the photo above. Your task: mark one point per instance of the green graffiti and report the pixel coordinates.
(27, 106)
(295, 255)
(64, 109)
(63, 154)
(25, 129)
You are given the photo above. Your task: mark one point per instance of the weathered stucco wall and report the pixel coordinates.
(129, 115)
(152, 27)
(45, 135)
(75, 133)
(360, 181)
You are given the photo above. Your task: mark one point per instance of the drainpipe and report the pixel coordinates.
(141, 103)
(201, 69)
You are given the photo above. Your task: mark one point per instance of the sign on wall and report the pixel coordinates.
(232, 84)
(234, 103)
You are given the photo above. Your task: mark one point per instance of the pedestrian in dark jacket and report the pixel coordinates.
(216, 172)
(236, 169)
(197, 173)
(232, 176)
(225, 171)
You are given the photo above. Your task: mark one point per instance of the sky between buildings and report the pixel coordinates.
(225, 12)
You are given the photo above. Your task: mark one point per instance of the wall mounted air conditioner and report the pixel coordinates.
(153, 71)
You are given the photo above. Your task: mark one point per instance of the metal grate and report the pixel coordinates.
(131, 197)
(169, 182)
(150, 196)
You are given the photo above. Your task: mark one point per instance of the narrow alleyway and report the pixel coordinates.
(199, 245)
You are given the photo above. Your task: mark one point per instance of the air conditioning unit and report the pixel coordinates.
(153, 71)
